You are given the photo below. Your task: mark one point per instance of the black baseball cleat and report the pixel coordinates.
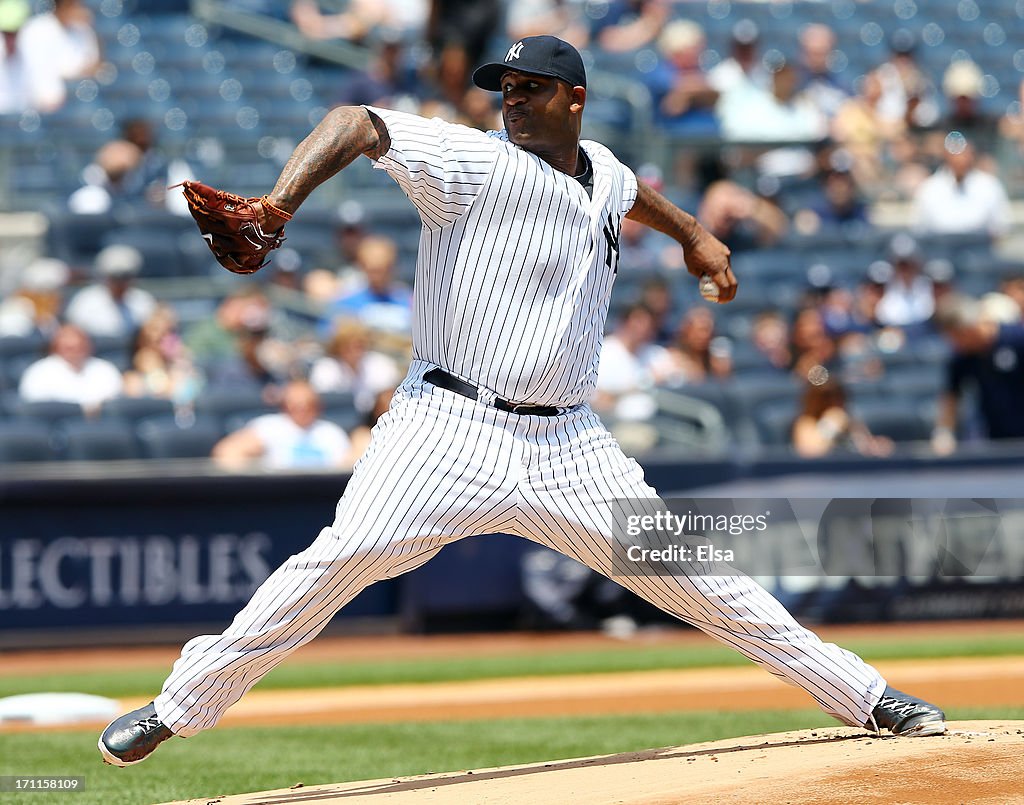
(904, 715)
(132, 737)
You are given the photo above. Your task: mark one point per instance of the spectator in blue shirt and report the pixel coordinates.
(377, 299)
(684, 101)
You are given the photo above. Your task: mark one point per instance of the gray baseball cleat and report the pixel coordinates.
(132, 737)
(902, 714)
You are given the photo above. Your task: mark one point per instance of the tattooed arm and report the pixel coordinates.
(704, 253)
(343, 134)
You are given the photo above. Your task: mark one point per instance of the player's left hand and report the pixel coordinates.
(236, 229)
(706, 254)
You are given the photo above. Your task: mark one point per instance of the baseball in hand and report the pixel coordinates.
(708, 288)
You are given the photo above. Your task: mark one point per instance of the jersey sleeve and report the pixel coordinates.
(440, 166)
(629, 189)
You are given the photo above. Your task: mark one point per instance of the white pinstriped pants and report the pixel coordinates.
(441, 467)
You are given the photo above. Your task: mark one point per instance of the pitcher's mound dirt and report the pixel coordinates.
(977, 762)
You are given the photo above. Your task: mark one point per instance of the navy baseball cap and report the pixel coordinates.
(540, 55)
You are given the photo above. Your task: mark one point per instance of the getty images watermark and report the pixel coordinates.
(779, 537)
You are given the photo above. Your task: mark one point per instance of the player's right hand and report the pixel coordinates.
(706, 254)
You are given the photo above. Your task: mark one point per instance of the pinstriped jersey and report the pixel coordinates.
(516, 261)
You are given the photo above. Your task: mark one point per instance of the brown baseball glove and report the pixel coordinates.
(230, 225)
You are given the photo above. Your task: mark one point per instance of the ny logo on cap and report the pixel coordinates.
(514, 51)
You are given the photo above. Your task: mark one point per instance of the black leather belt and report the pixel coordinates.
(444, 380)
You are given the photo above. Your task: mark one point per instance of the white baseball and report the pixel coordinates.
(708, 288)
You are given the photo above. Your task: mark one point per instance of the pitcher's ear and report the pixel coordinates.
(578, 96)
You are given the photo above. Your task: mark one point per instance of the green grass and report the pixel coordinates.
(251, 759)
(246, 759)
(624, 657)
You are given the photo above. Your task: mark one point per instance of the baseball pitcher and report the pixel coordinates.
(491, 430)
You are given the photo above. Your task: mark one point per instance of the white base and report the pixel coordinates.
(53, 709)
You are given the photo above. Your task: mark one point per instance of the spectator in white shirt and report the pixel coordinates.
(61, 46)
(908, 95)
(351, 366)
(777, 114)
(908, 299)
(743, 66)
(71, 373)
(960, 198)
(16, 87)
(108, 180)
(113, 307)
(631, 364)
(296, 438)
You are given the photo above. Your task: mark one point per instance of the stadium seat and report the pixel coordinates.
(24, 442)
(760, 264)
(17, 346)
(310, 237)
(346, 418)
(48, 412)
(114, 350)
(337, 399)
(239, 419)
(978, 284)
(76, 239)
(868, 389)
(9, 402)
(162, 253)
(13, 368)
(753, 390)
(29, 179)
(774, 422)
(104, 440)
(219, 404)
(917, 381)
(164, 438)
(339, 407)
(900, 422)
(134, 409)
(746, 358)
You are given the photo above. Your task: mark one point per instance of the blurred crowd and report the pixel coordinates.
(892, 129)
(902, 336)
(108, 339)
(891, 123)
(41, 53)
(831, 148)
